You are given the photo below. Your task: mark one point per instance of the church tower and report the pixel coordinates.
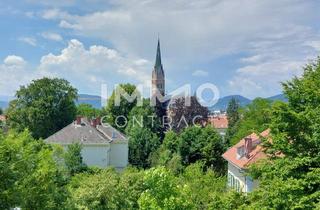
(158, 81)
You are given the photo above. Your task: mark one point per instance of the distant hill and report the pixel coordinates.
(94, 100)
(279, 97)
(223, 102)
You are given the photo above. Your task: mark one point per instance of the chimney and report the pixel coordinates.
(248, 145)
(78, 121)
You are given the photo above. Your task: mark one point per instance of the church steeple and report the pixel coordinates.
(158, 57)
(158, 81)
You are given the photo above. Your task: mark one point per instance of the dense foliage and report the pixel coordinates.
(117, 114)
(183, 114)
(31, 176)
(143, 142)
(44, 107)
(73, 159)
(233, 116)
(87, 110)
(191, 145)
(255, 117)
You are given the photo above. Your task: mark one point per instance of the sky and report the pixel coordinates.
(245, 47)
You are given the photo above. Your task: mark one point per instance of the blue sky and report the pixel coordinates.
(244, 47)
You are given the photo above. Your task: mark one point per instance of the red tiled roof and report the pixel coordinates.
(219, 121)
(255, 154)
(3, 118)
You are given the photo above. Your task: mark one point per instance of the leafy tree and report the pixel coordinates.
(97, 191)
(163, 192)
(291, 180)
(233, 118)
(44, 107)
(167, 154)
(73, 159)
(1, 112)
(256, 117)
(182, 115)
(144, 116)
(202, 144)
(118, 114)
(207, 189)
(87, 110)
(143, 142)
(31, 176)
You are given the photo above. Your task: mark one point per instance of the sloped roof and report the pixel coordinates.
(257, 152)
(85, 134)
(111, 133)
(219, 121)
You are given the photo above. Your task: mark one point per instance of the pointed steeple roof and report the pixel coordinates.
(158, 57)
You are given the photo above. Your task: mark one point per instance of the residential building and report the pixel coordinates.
(246, 152)
(220, 123)
(102, 145)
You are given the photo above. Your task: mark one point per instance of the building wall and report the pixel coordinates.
(246, 183)
(96, 155)
(119, 155)
(237, 174)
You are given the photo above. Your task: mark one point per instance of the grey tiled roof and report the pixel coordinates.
(85, 134)
(111, 133)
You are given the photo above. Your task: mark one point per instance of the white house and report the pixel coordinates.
(102, 146)
(246, 152)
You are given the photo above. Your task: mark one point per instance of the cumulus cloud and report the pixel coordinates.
(52, 36)
(94, 66)
(14, 73)
(200, 73)
(28, 40)
(13, 60)
(87, 68)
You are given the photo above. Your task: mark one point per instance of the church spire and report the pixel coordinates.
(158, 58)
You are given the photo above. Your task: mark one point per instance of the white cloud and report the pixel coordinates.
(85, 68)
(200, 73)
(91, 67)
(66, 24)
(52, 36)
(28, 40)
(274, 60)
(13, 60)
(14, 73)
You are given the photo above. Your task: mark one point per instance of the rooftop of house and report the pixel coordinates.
(247, 151)
(86, 131)
(3, 118)
(220, 121)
